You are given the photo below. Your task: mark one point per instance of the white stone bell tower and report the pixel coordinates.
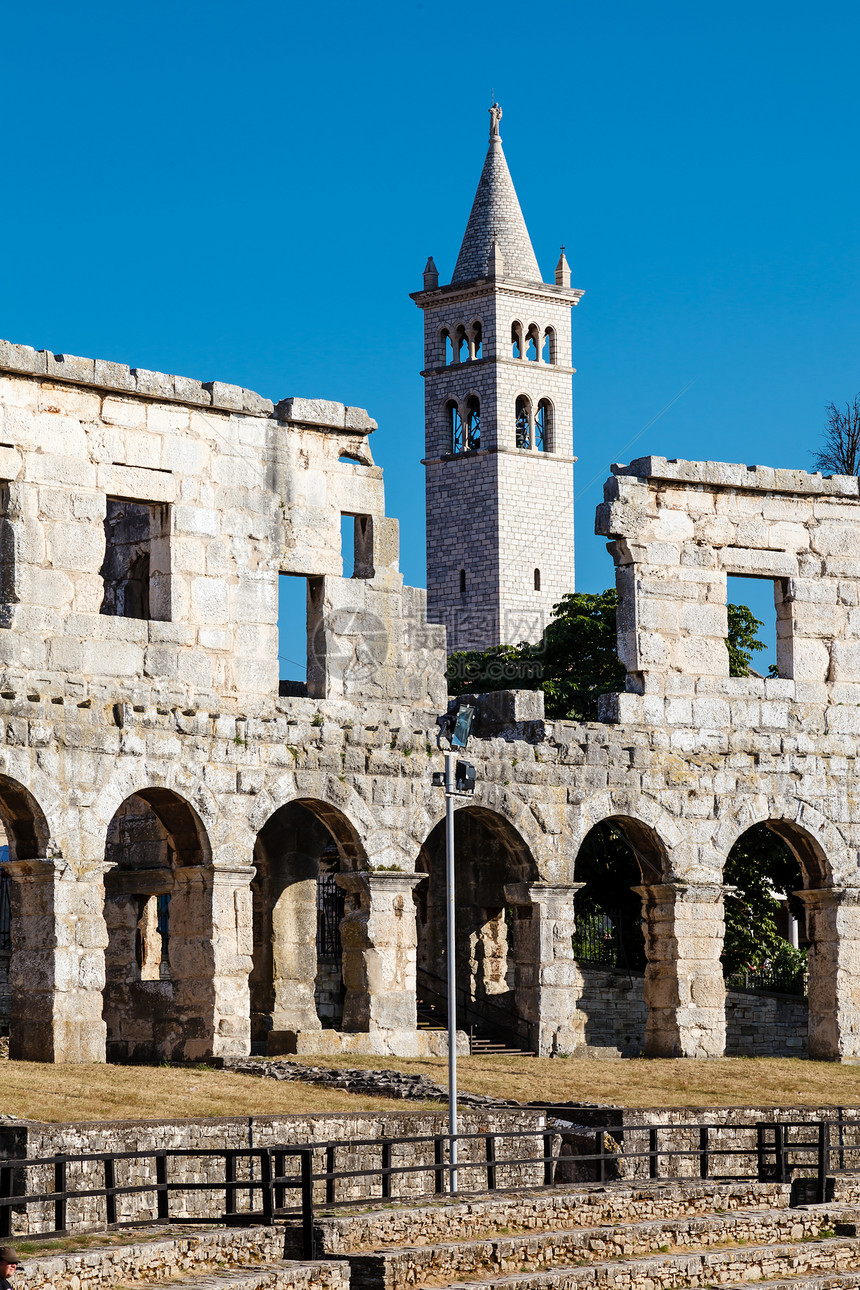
(498, 426)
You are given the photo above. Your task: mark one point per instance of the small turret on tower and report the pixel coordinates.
(498, 426)
(431, 275)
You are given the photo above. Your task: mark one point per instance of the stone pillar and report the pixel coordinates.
(833, 926)
(545, 969)
(684, 989)
(57, 972)
(380, 942)
(233, 950)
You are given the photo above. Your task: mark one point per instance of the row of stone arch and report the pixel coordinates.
(534, 424)
(463, 343)
(157, 947)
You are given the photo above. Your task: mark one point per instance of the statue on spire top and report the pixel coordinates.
(495, 117)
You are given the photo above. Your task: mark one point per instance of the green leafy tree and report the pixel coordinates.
(762, 869)
(577, 660)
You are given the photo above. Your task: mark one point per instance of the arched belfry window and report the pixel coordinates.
(455, 427)
(473, 422)
(533, 343)
(543, 426)
(461, 345)
(476, 340)
(446, 346)
(517, 346)
(549, 355)
(523, 427)
(537, 579)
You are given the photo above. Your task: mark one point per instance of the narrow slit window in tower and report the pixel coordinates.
(473, 422)
(462, 580)
(516, 340)
(537, 579)
(523, 429)
(548, 354)
(455, 427)
(543, 426)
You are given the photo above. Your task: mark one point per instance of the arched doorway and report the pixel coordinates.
(159, 961)
(608, 938)
(297, 975)
(497, 994)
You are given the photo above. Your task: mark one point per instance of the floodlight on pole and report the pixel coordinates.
(458, 780)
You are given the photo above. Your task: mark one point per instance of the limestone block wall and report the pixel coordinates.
(232, 491)
(611, 1007)
(679, 528)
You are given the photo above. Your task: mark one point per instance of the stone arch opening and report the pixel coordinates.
(777, 955)
(23, 836)
(298, 909)
(617, 857)
(159, 965)
(495, 929)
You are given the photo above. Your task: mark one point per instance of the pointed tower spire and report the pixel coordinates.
(431, 274)
(562, 270)
(496, 217)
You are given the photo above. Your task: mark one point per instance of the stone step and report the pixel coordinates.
(824, 1281)
(313, 1274)
(735, 1266)
(576, 1205)
(233, 1258)
(499, 1254)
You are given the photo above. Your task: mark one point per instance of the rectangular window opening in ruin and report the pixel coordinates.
(136, 568)
(8, 595)
(766, 598)
(293, 640)
(356, 545)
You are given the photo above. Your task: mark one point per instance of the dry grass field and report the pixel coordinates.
(737, 1081)
(56, 1093)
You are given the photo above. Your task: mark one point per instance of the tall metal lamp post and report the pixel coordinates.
(458, 780)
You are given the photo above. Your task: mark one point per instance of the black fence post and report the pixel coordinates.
(490, 1142)
(110, 1195)
(439, 1164)
(161, 1184)
(653, 1155)
(266, 1187)
(6, 1194)
(329, 1168)
(704, 1163)
(229, 1177)
(823, 1159)
(280, 1172)
(779, 1146)
(60, 1189)
(386, 1170)
(307, 1171)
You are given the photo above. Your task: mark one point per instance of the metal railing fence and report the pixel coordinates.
(252, 1185)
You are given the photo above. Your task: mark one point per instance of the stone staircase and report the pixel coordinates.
(652, 1236)
(206, 1258)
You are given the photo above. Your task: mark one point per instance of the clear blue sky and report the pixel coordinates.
(250, 192)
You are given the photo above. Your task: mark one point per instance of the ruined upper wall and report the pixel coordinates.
(680, 528)
(181, 502)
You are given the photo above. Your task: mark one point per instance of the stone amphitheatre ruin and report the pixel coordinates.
(172, 818)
